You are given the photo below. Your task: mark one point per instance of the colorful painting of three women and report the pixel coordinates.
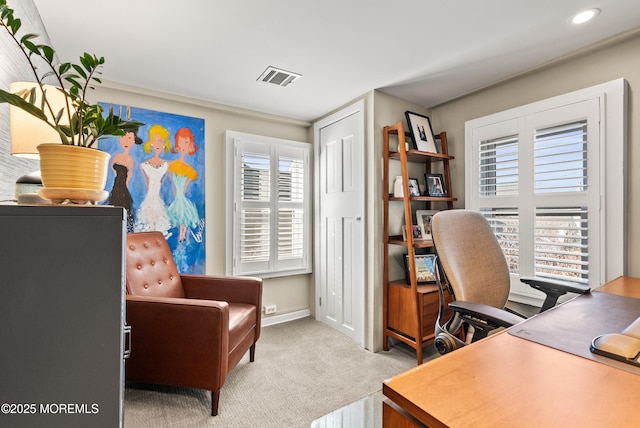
(157, 175)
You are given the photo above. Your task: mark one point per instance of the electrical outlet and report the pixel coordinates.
(271, 309)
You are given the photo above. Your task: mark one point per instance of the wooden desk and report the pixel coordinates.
(623, 286)
(506, 381)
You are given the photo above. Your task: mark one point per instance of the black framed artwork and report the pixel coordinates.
(421, 132)
(425, 268)
(435, 185)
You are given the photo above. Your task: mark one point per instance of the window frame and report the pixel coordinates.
(610, 159)
(237, 143)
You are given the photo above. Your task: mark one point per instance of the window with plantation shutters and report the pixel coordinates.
(547, 178)
(268, 206)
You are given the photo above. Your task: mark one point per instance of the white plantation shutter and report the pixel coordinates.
(255, 194)
(561, 232)
(562, 243)
(560, 158)
(499, 166)
(291, 185)
(270, 198)
(537, 173)
(505, 224)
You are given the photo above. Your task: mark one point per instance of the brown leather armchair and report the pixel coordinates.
(186, 330)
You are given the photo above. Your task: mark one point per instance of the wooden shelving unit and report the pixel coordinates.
(410, 310)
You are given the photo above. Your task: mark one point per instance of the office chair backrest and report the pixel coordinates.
(471, 257)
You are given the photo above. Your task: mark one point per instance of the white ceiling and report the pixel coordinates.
(424, 51)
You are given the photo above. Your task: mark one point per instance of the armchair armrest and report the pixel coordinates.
(554, 289)
(178, 327)
(483, 316)
(154, 303)
(232, 289)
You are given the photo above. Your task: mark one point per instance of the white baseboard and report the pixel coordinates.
(277, 319)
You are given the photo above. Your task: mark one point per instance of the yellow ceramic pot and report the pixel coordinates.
(73, 167)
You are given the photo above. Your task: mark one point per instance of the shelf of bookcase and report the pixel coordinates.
(397, 240)
(425, 199)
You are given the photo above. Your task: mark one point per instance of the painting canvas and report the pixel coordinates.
(157, 174)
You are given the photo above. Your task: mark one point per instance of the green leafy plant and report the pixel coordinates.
(80, 123)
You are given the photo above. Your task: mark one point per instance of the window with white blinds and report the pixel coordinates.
(268, 206)
(541, 175)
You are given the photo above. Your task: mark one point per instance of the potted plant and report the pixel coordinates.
(78, 123)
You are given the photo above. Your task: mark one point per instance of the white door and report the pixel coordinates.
(340, 244)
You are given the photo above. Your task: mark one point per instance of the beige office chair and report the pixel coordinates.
(476, 272)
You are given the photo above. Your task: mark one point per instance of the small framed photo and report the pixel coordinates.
(423, 217)
(421, 132)
(425, 268)
(417, 231)
(435, 185)
(414, 187)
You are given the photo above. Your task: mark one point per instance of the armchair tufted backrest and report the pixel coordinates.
(150, 268)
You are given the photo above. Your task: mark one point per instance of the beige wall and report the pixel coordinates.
(618, 60)
(290, 294)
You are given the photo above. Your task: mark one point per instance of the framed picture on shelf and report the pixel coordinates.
(425, 268)
(421, 132)
(417, 230)
(423, 217)
(414, 187)
(435, 185)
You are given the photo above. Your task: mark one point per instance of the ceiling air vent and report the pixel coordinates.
(278, 77)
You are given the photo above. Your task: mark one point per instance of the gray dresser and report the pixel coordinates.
(62, 317)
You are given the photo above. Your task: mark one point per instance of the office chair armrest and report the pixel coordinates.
(556, 285)
(489, 315)
(554, 289)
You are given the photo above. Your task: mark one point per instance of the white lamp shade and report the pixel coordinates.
(27, 131)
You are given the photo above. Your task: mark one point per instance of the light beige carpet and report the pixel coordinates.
(303, 370)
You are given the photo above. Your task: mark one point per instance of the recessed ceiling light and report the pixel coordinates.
(585, 16)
